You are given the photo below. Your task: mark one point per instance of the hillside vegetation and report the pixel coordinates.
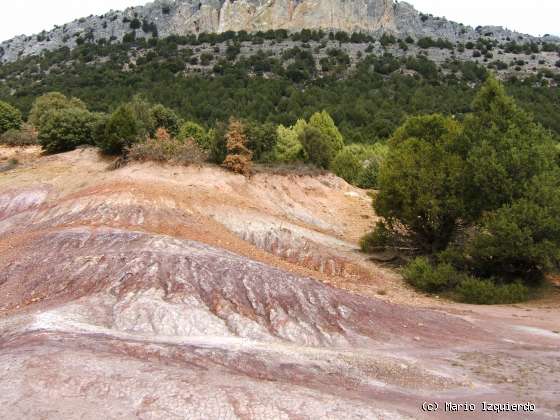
(478, 200)
(467, 181)
(368, 85)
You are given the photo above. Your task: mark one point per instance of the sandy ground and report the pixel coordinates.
(246, 289)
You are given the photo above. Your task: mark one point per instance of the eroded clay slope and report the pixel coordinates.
(165, 292)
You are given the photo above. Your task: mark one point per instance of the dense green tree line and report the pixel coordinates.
(144, 131)
(367, 102)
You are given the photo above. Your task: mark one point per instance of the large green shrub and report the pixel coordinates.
(62, 130)
(445, 279)
(422, 181)
(121, 131)
(348, 163)
(487, 292)
(53, 101)
(359, 164)
(317, 147)
(376, 155)
(99, 126)
(218, 144)
(321, 140)
(131, 123)
(25, 136)
(261, 140)
(288, 147)
(10, 117)
(421, 274)
(145, 120)
(520, 239)
(486, 193)
(165, 118)
(195, 131)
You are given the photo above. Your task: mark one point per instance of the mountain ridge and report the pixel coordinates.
(181, 17)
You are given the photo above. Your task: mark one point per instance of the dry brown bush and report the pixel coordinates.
(165, 148)
(162, 134)
(26, 136)
(239, 157)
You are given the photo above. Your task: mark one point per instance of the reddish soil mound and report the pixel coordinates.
(162, 292)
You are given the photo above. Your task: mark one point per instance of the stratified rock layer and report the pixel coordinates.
(164, 292)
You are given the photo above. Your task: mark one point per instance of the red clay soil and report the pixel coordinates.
(160, 292)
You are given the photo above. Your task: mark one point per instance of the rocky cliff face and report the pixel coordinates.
(167, 17)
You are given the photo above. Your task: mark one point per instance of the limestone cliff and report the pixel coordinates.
(167, 17)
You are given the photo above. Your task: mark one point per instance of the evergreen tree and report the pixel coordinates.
(317, 147)
(195, 131)
(513, 188)
(145, 121)
(165, 118)
(321, 139)
(504, 149)
(359, 164)
(64, 129)
(261, 140)
(288, 147)
(348, 163)
(121, 131)
(325, 124)
(482, 199)
(53, 101)
(10, 118)
(422, 182)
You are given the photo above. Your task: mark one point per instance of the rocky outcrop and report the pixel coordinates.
(163, 18)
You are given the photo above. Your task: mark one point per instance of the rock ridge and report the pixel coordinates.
(180, 17)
